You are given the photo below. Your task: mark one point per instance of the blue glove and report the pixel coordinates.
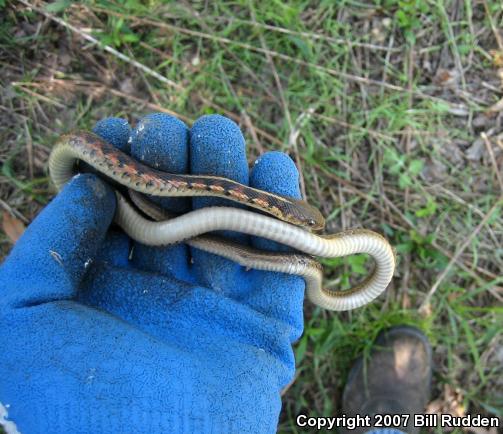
(101, 334)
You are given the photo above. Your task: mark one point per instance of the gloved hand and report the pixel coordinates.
(100, 334)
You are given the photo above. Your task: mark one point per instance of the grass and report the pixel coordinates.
(381, 104)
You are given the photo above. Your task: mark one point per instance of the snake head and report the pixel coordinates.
(303, 214)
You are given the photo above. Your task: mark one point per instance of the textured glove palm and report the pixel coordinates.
(101, 334)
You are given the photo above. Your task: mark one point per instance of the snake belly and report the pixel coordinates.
(192, 226)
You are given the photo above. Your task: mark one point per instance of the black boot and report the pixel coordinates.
(395, 380)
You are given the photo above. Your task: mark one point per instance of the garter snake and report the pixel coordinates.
(291, 227)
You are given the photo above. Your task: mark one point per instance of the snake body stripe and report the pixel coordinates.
(132, 174)
(128, 172)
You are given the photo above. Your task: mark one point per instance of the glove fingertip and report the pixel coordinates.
(275, 172)
(115, 131)
(161, 141)
(217, 148)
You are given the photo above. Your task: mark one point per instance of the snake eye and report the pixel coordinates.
(311, 223)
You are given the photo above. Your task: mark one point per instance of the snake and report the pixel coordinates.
(282, 219)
